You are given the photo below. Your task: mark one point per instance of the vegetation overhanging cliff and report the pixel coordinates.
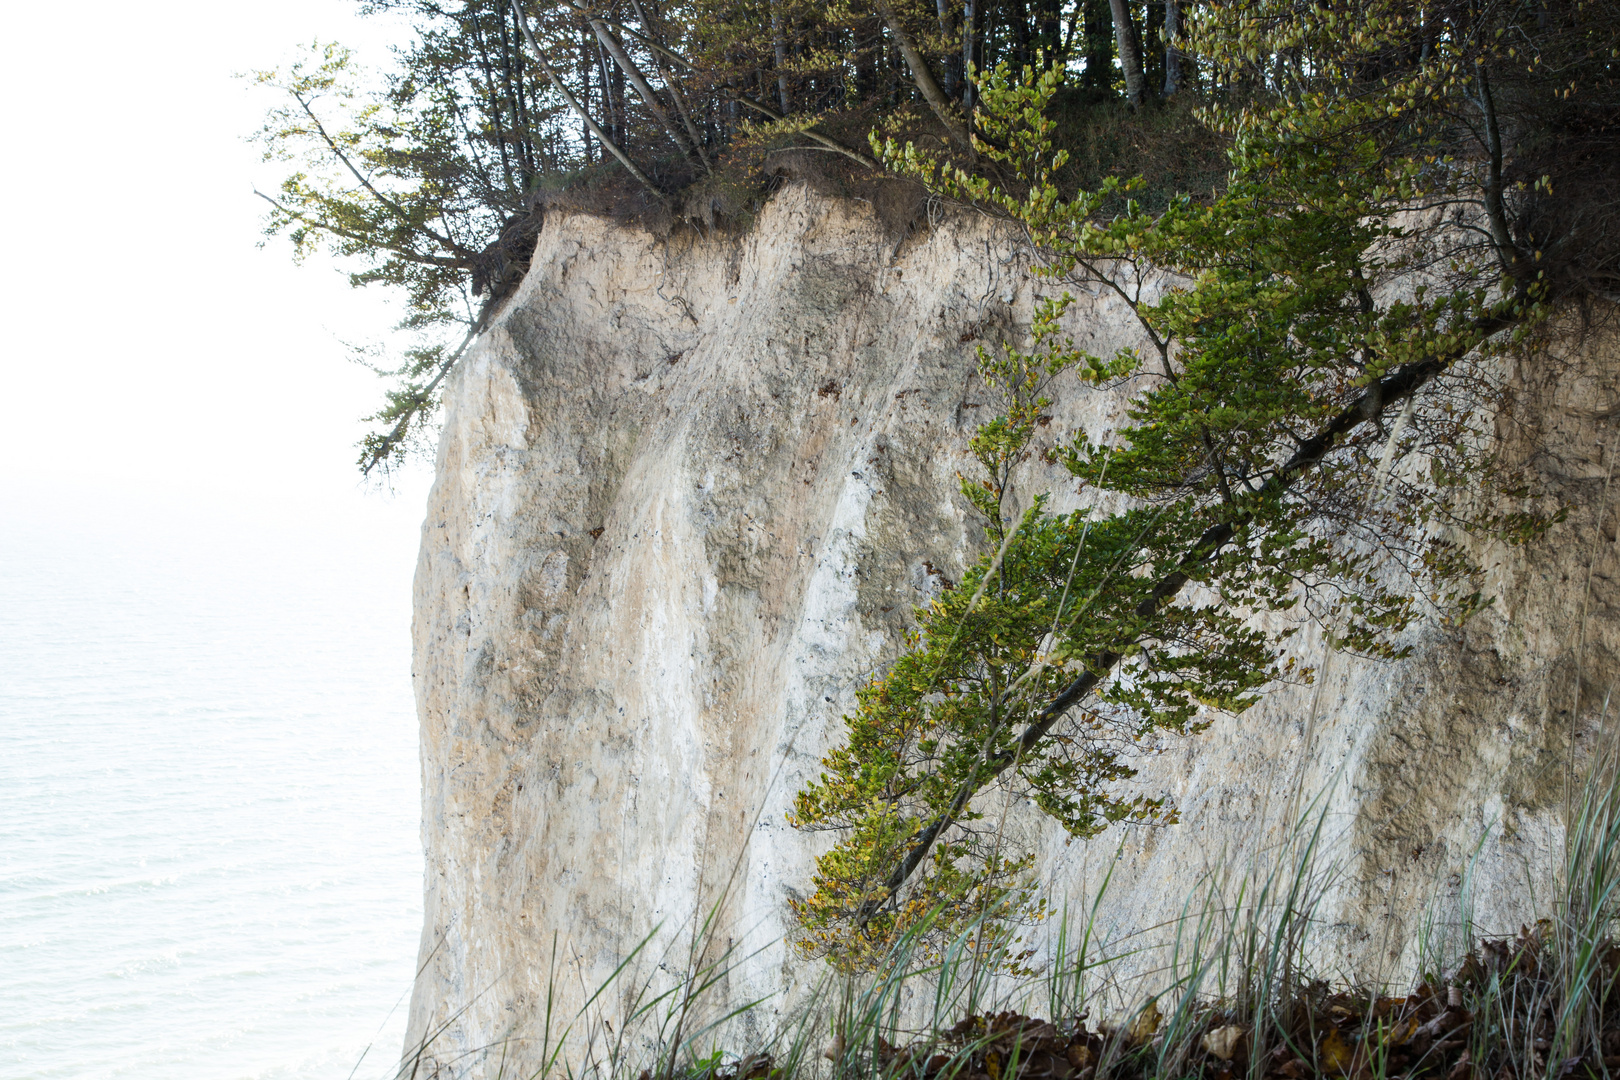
(1312, 402)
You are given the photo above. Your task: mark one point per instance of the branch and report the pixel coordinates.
(615, 49)
(1129, 47)
(647, 41)
(371, 242)
(808, 132)
(670, 80)
(937, 101)
(377, 452)
(1494, 209)
(332, 145)
(1372, 403)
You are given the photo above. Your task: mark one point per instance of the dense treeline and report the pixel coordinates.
(673, 86)
(431, 179)
(494, 101)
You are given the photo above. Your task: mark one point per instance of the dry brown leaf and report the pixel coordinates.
(1146, 1023)
(1223, 1042)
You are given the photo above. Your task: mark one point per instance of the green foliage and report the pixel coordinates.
(432, 178)
(381, 183)
(1338, 306)
(370, 184)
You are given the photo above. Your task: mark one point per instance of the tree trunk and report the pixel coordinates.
(1172, 54)
(937, 101)
(948, 76)
(972, 18)
(1020, 34)
(1099, 45)
(1374, 403)
(591, 126)
(1153, 48)
(638, 80)
(585, 92)
(1050, 31)
(612, 125)
(1130, 51)
(780, 48)
(655, 35)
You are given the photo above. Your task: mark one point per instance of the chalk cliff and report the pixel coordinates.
(687, 494)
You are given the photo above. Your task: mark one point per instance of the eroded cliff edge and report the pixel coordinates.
(687, 494)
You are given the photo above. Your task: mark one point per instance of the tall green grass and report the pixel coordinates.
(1232, 987)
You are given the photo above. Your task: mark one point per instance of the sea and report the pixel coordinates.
(210, 857)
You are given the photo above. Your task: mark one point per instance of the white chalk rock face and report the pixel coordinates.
(687, 495)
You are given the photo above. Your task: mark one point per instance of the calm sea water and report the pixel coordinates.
(209, 854)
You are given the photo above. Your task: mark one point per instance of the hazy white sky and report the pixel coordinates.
(152, 353)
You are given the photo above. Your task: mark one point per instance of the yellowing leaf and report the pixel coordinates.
(1146, 1023)
(1334, 1054)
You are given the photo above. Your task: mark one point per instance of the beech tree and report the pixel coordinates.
(1386, 234)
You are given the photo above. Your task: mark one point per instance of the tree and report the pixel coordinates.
(1129, 45)
(1384, 233)
(391, 184)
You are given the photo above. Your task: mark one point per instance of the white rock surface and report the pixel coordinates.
(687, 494)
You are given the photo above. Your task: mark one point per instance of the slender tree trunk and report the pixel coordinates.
(866, 62)
(1076, 19)
(492, 100)
(972, 19)
(653, 30)
(937, 101)
(1020, 34)
(585, 93)
(1172, 53)
(1153, 48)
(591, 126)
(1050, 33)
(615, 124)
(512, 80)
(1099, 71)
(779, 46)
(947, 77)
(638, 80)
(1130, 51)
(532, 159)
